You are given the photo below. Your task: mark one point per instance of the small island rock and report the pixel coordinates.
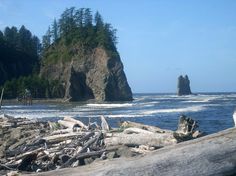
(183, 86)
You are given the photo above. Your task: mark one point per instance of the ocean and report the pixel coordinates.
(212, 111)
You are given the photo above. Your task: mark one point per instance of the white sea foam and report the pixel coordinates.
(187, 109)
(147, 104)
(125, 115)
(198, 101)
(110, 105)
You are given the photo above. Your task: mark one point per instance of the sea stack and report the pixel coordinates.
(95, 76)
(183, 86)
(84, 61)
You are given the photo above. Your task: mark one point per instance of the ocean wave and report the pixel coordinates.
(146, 104)
(176, 110)
(198, 100)
(110, 105)
(125, 115)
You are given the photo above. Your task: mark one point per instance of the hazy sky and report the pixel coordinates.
(158, 39)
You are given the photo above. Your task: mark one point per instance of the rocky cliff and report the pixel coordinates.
(97, 75)
(183, 86)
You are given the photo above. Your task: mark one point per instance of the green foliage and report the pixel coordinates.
(77, 30)
(21, 40)
(19, 51)
(46, 40)
(39, 87)
(55, 31)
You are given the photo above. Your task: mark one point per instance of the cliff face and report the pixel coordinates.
(94, 76)
(183, 86)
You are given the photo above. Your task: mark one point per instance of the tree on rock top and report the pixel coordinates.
(80, 26)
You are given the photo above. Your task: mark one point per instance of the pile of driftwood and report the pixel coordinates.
(35, 146)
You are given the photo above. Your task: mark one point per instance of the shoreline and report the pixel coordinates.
(31, 146)
(53, 100)
(201, 156)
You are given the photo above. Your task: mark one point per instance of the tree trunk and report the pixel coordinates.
(1, 98)
(140, 137)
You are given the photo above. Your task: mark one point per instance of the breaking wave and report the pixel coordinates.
(176, 110)
(110, 105)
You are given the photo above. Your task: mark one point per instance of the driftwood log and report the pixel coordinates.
(67, 124)
(127, 124)
(81, 124)
(105, 126)
(210, 155)
(63, 137)
(135, 137)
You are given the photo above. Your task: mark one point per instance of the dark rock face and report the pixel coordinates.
(96, 76)
(183, 86)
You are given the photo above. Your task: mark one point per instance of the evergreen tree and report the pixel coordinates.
(55, 32)
(1, 35)
(10, 35)
(76, 26)
(98, 20)
(46, 41)
(88, 17)
(36, 45)
(79, 17)
(25, 37)
(67, 23)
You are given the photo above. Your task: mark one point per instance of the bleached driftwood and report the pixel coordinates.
(104, 124)
(62, 137)
(127, 124)
(137, 131)
(81, 124)
(143, 149)
(26, 153)
(143, 138)
(210, 155)
(83, 149)
(62, 131)
(67, 124)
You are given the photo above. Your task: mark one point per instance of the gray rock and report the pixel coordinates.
(183, 86)
(98, 75)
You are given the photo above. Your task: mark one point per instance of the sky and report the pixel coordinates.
(158, 40)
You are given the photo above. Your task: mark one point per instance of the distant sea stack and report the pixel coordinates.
(183, 86)
(83, 59)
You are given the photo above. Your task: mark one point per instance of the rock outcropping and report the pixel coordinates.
(97, 75)
(183, 86)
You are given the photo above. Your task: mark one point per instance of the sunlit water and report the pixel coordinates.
(212, 111)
